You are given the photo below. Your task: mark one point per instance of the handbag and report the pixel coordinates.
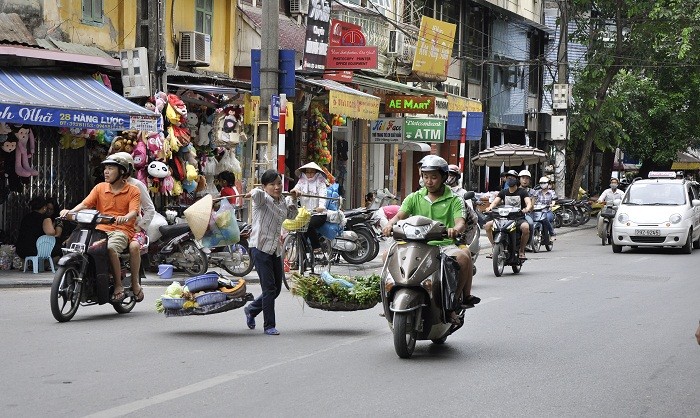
(223, 227)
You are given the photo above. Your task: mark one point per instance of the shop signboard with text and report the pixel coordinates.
(431, 130)
(410, 104)
(387, 131)
(344, 34)
(434, 48)
(353, 106)
(351, 57)
(68, 118)
(317, 25)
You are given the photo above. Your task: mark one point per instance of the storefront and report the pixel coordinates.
(36, 108)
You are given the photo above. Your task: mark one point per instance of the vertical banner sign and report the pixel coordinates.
(434, 48)
(316, 45)
(344, 34)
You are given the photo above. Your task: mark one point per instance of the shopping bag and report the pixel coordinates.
(223, 227)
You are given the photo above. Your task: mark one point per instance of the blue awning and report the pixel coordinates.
(67, 101)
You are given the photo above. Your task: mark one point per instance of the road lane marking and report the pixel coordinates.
(190, 389)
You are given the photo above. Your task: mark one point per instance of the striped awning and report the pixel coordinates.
(67, 101)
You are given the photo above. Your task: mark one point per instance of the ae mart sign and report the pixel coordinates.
(410, 104)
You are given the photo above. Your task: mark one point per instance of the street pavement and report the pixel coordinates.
(17, 278)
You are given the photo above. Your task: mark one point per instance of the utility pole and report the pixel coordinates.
(562, 79)
(269, 68)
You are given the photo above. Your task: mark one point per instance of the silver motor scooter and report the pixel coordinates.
(418, 285)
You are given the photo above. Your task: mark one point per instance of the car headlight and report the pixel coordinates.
(623, 218)
(675, 218)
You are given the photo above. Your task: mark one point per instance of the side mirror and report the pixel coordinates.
(695, 202)
(469, 195)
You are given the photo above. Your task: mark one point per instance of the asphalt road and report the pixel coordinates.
(579, 332)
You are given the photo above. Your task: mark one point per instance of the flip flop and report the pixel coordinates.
(118, 297)
(139, 296)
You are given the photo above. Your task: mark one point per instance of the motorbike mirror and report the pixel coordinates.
(469, 195)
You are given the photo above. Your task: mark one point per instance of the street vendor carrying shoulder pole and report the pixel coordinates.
(270, 209)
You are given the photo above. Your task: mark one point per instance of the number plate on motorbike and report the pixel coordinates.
(647, 232)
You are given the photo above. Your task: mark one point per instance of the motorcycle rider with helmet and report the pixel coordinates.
(436, 201)
(545, 196)
(115, 197)
(524, 177)
(608, 196)
(453, 176)
(513, 196)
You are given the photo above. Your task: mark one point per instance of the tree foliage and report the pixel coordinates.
(639, 88)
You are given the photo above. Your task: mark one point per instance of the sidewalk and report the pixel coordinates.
(15, 278)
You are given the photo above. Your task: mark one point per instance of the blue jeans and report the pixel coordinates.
(548, 222)
(270, 271)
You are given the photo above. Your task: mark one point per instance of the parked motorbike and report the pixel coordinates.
(540, 234)
(506, 238)
(177, 247)
(234, 258)
(418, 285)
(608, 214)
(356, 242)
(83, 276)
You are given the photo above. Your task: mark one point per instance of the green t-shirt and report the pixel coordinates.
(446, 209)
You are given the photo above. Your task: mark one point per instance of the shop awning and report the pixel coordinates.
(67, 101)
(205, 88)
(685, 161)
(347, 101)
(414, 146)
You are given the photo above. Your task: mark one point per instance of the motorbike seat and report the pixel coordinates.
(170, 231)
(565, 201)
(354, 212)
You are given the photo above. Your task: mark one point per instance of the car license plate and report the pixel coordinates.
(647, 232)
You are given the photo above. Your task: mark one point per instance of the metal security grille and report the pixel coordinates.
(63, 174)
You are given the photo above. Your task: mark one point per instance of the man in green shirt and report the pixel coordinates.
(436, 201)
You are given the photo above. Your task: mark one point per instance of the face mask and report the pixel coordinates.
(512, 182)
(613, 186)
(544, 185)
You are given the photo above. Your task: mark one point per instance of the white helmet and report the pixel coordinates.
(524, 173)
(434, 163)
(544, 180)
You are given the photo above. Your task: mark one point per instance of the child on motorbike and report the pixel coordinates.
(269, 210)
(436, 201)
(115, 197)
(512, 196)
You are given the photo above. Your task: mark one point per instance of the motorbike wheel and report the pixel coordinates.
(65, 293)
(516, 268)
(499, 259)
(567, 217)
(290, 257)
(550, 245)
(536, 240)
(126, 305)
(439, 341)
(404, 334)
(240, 263)
(368, 248)
(586, 215)
(557, 219)
(195, 259)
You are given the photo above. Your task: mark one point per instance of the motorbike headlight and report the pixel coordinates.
(623, 218)
(675, 218)
(502, 211)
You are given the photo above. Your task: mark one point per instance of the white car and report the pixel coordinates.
(661, 211)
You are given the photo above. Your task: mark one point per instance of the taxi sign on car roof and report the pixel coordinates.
(662, 174)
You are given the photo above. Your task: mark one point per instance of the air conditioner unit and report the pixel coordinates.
(135, 77)
(396, 43)
(299, 7)
(195, 49)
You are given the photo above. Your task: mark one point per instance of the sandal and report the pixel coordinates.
(489, 255)
(118, 297)
(139, 296)
(522, 257)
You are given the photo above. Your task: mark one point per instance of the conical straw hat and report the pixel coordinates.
(198, 216)
(312, 165)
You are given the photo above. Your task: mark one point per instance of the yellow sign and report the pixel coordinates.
(434, 48)
(461, 104)
(353, 106)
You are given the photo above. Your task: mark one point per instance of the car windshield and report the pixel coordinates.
(655, 194)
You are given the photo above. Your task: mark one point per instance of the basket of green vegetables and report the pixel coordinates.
(337, 292)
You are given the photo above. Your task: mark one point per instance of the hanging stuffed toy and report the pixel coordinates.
(176, 112)
(141, 161)
(25, 149)
(158, 172)
(10, 177)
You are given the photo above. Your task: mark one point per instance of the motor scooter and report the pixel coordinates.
(506, 238)
(418, 285)
(540, 234)
(83, 276)
(234, 258)
(608, 213)
(177, 246)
